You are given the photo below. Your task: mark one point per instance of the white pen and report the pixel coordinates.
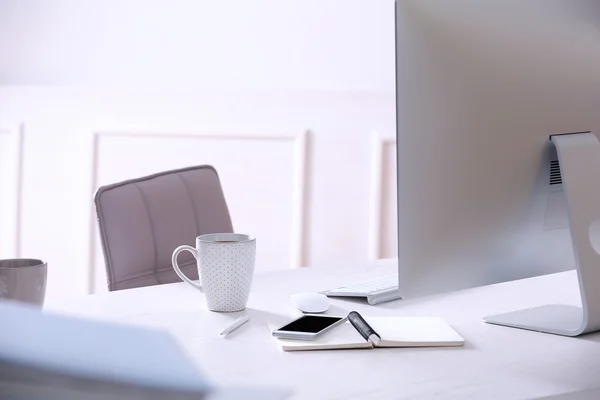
(241, 320)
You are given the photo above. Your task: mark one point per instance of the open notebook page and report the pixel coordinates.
(414, 332)
(343, 336)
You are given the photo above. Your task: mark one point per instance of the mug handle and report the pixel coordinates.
(176, 266)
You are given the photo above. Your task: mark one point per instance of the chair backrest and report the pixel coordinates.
(143, 220)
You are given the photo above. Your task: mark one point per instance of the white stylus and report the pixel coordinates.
(241, 320)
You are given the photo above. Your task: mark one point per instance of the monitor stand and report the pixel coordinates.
(579, 159)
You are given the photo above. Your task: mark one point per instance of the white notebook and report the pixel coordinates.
(393, 332)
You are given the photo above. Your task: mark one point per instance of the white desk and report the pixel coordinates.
(495, 363)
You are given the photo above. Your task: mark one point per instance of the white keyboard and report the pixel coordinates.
(376, 290)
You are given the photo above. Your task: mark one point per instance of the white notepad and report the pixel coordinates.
(393, 331)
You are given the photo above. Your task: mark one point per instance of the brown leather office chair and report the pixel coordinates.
(143, 220)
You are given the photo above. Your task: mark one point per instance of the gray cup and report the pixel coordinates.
(23, 279)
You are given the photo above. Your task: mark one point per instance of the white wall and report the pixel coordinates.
(240, 44)
(292, 101)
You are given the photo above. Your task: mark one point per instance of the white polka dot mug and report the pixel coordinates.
(225, 267)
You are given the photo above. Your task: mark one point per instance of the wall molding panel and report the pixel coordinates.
(298, 212)
(303, 171)
(379, 141)
(11, 165)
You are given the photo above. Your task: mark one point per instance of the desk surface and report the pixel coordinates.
(495, 363)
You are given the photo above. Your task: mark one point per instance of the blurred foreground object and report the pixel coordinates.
(49, 356)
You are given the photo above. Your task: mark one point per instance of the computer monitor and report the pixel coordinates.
(481, 87)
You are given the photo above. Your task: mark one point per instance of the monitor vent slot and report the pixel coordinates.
(555, 176)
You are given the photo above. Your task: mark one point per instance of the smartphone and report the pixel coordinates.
(308, 327)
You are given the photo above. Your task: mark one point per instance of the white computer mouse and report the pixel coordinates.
(311, 303)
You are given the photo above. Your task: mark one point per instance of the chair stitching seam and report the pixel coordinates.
(151, 224)
(187, 190)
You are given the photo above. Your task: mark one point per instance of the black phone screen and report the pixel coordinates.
(310, 324)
